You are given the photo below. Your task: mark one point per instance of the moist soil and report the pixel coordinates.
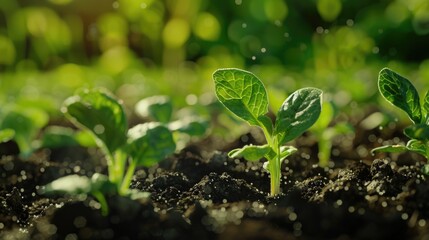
(200, 193)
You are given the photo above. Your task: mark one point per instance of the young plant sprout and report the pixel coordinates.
(401, 93)
(325, 133)
(103, 116)
(160, 109)
(244, 94)
(22, 124)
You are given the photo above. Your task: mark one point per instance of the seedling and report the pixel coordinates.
(244, 94)
(325, 133)
(103, 116)
(160, 109)
(401, 93)
(22, 124)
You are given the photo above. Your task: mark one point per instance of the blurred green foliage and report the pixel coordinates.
(139, 48)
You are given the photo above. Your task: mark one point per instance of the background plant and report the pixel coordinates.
(325, 133)
(401, 93)
(160, 109)
(244, 94)
(103, 116)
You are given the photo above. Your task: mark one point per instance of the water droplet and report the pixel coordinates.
(319, 30)
(143, 5)
(238, 2)
(375, 50)
(350, 22)
(115, 5)
(253, 57)
(244, 25)
(99, 129)
(263, 50)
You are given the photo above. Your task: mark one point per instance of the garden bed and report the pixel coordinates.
(200, 193)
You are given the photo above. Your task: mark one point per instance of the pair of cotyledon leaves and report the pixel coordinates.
(245, 95)
(103, 115)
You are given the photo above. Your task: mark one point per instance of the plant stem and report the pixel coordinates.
(128, 177)
(104, 207)
(274, 170)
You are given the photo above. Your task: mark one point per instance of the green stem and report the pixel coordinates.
(104, 207)
(128, 177)
(117, 167)
(274, 168)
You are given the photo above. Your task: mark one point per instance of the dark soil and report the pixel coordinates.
(202, 194)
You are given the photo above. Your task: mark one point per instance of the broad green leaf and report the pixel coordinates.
(417, 146)
(6, 134)
(149, 143)
(298, 112)
(389, 149)
(101, 114)
(192, 126)
(250, 152)
(159, 108)
(242, 93)
(400, 92)
(425, 108)
(417, 131)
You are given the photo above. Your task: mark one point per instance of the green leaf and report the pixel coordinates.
(400, 92)
(70, 184)
(389, 149)
(250, 152)
(426, 107)
(242, 93)
(100, 113)
(75, 184)
(6, 135)
(159, 108)
(192, 126)
(298, 112)
(149, 143)
(417, 146)
(286, 151)
(417, 131)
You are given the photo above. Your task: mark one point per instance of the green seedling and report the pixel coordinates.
(244, 94)
(100, 113)
(23, 124)
(401, 93)
(160, 109)
(325, 133)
